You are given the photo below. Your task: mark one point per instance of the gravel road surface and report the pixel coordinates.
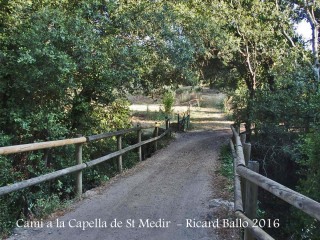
(163, 198)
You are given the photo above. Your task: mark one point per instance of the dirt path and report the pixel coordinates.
(173, 185)
(172, 188)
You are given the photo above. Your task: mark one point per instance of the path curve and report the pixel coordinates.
(174, 185)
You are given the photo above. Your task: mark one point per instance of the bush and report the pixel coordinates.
(273, 148)
(168, 101)
(42, 199)
(305, 226)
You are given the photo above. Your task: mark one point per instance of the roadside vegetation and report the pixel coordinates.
(226, 167)
(67, 68)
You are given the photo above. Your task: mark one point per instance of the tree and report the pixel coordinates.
(309, 11)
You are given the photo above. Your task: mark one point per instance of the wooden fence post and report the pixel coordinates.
(247, 155)
(79, 174)
(188, 122)
(251, 199)
(119, 145)
(243, 138)
(156, 133)
(247, 152)
(237, 127)
(139, 141)
(167, 123)
(169, 127)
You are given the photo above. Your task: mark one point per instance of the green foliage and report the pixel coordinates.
(226, 168)
(307, 227)
(130, 159)
(44, 206)
(8, 214)
(63, 64)
(168, 100)
(150, 115)
(112, 117)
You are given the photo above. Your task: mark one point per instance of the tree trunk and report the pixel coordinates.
(248, 121)
(315, 40)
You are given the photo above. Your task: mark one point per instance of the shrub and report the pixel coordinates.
(168, 101)
(305, 226)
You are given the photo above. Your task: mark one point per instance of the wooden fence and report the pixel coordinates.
(79, 141)
(183, 121)
(246, 182)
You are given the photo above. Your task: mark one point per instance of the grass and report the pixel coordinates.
(215, 101)
(185, 94)
(148, 115)
(154, 116)
(46, 206)
(226, 167)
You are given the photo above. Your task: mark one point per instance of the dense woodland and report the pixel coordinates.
(66, 67)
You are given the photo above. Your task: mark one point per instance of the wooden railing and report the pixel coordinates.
(183, 121)
(79, 141)
(246, 182)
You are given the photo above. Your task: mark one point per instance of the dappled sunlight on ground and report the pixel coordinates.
(145, 107)
(155, 108)
(210, 116)
(207, 118)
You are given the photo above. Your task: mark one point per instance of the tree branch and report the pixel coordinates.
(288, 38)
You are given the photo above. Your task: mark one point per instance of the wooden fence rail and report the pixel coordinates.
(40, 145)
(79, 166)
(243, 174)
(183, 121)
